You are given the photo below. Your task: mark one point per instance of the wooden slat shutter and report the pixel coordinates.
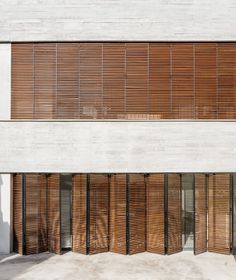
(90, 77)
(67, 81)
(182, 81)
(160, 81)
(234, 216)
(226, 61)
(219, 213)
(205, 81)
(118, 211)
(200, 235)
(79, 213)
(98, 216)
(174, 214)
(155, 213)
(137, 80)
(18, 214)
(45, 80)
(114, 81)
(54, 227)
(35, 216)
(22, 81)
(137, 213)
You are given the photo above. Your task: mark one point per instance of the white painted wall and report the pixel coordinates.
(118, 146)
(24, 20)
(5, 180)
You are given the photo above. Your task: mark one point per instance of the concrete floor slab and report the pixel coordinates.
(107, 266)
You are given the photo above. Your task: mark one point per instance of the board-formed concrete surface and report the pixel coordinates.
(110, 266)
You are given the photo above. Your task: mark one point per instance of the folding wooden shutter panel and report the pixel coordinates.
(68, 81)
(98, 218)
(182, 81)
(118, 212)
(45, 83)
(205, 81)
(114, 80)
(200, 235)
(22, 81)
(226, 60)
(54, 227)
(234, 216)
(137, 214)
(155, 213)
(79, 213)
(219, 213)
(137, 80)
(90, 77)
(174, 214)
(17, 214)
(160, 81)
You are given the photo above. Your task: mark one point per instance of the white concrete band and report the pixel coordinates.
(5, 180)
(152, 20)
(117, 146)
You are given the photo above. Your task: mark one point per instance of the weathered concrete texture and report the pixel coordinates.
(24, 20)
(117, 146)
(107, 266)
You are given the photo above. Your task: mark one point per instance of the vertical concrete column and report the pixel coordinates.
(5, 179)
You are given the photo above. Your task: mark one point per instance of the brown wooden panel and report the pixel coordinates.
(234, 216)
(174, 214)
(226, 60)
(183, 96)
(17, 214)
(54, 238)
(45, 80)
(79, 213)
(98, 216)
(160, 81)
(22, 105)
(67, 81)
(117, 211)
(91, 105)
(114, 81)
(137, 214)
(200, 235)
(137, 103)
(206, 80)
(155, 214)
(219, 213)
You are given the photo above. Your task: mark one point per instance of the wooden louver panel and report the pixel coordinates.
(54, 232)
(174, 214)
(155, 214)
(200, 235)
(98, 216)
(79, 213)
(124, 81)
(18, 214)
(118, 210)
(219, 213)
(137, 213)
(234, 216)
(36, 227)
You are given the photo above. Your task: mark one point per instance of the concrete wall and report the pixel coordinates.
(24, 20)
(5, 180)
(118, 146)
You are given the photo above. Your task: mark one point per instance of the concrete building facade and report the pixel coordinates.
(108, 47)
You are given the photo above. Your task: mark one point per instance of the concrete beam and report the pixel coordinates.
(117, 146)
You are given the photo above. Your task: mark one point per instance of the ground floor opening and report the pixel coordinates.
(124, 213)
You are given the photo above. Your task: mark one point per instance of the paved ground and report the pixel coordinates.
(145, 266)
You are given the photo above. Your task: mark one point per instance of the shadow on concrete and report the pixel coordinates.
(4, 226)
